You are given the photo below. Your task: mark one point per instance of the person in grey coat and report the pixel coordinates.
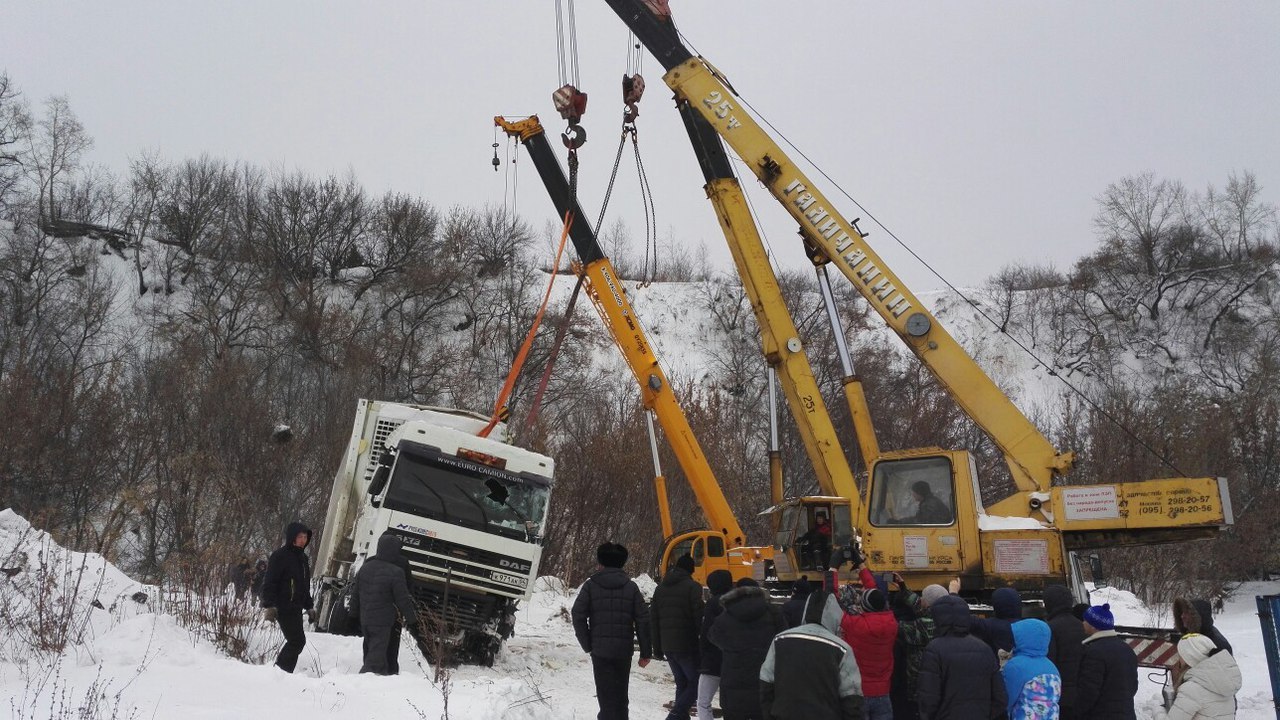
(381, 592)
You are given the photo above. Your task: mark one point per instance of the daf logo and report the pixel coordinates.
(514, 565)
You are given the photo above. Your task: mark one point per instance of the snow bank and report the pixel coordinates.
(131, 657)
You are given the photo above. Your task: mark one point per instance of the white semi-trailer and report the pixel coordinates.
(468, 509)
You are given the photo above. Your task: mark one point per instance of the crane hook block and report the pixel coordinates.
(574, 136)
(570, 102)
(632, 88)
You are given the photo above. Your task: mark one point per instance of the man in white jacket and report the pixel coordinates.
(1209, 687)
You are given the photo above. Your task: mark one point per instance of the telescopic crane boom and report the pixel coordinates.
(725, 544)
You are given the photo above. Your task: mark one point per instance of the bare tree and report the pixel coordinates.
(53, 153)
(403, 231)
(15, 126)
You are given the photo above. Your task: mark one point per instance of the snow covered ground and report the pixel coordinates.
(132, 658)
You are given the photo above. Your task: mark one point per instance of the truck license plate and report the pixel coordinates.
(512, 580)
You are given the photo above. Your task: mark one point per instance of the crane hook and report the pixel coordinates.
(496, 162)
(574, 136)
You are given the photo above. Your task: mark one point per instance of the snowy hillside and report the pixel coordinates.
(132, 656)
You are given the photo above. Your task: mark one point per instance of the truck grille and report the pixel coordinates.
(441, 560)
(466, 610)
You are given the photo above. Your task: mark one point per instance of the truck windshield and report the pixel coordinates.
(465, 493)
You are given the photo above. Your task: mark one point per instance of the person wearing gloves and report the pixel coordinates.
(959, 675)
(286, 593)
(381, 598)
(870, 629)
(1031, 682)
(1108, 670)
(719, 582)
(1209, 686)
(809, 673)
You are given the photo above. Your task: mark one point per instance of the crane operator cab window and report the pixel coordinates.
(826, 530)
(914, 492)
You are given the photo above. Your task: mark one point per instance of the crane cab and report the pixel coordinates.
(710, 552)
(809, 532)
(911, 523)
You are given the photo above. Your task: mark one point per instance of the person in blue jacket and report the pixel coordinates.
(1031, 682)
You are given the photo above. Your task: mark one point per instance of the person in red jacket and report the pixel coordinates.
(871, 630)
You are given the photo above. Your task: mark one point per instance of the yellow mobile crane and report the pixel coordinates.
(922, 513)
(724, 544)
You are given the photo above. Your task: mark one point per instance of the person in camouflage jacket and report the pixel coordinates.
(915, 630)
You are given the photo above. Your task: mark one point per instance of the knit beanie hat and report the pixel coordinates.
(611, 555)
(685, 563)
(931, 594)
(720, 582)
(874, 601)
(1100, 617)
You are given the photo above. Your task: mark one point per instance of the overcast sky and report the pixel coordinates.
(979, 132)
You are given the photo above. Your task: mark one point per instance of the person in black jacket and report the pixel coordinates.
(719, 582)
(997, 631)
(393, 647)
(1108, 678)
(1065, 646)
(381, 598)
(793, 608)
(743, 633)
(609, 616)
(959, 675)
(676, 612)
(286, 592)
(1196, 616)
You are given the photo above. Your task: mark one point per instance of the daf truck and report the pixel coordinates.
(469, 511)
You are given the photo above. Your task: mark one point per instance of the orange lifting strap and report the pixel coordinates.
(500, 408)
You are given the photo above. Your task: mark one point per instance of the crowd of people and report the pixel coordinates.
(877, 650)
(873, 650)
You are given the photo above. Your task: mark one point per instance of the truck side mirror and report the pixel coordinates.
(379, 481)
(1096, 571)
